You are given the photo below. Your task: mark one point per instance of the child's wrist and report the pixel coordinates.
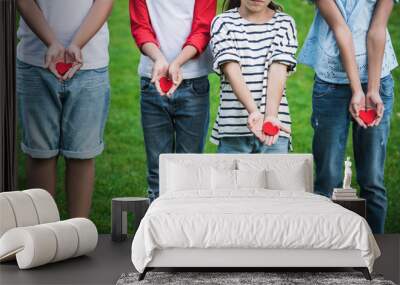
(356, 87)
(73, 44)
(54, 42)
(255, 112)
(271, 114)
(373, 91)
(160, 58)
(373, 87)
(357, 92)
(176, 63)
(272, 109)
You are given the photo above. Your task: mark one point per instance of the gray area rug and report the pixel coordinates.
(243, 278)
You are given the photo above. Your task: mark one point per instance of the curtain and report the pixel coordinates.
(8, 136)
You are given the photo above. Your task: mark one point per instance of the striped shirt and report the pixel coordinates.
(255, 47)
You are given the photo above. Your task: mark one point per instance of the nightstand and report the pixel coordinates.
(119, 210)
(357, 205)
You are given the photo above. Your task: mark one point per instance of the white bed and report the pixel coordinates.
(215, 211)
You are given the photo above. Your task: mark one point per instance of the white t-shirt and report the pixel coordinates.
(172, 22)
(65, 18)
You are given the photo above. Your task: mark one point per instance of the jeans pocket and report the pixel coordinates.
(145, 84)
(24, 66)
(386, 89)
(200, 86)
(322, 88)
(101, 69)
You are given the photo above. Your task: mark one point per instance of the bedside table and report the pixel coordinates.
(357, 205)
(119, 215)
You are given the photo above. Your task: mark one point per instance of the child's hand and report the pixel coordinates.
(160, 69)
(255, 123)
(357, 103)
(73, 54)
(270, 140)
(54, 54)
(175, 73)
(374, 100)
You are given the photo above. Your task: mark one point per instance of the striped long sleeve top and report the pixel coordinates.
(255, 47)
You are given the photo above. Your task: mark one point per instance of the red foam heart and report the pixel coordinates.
(368, 116)
(269, 129)
(63, 67)
(165, 84)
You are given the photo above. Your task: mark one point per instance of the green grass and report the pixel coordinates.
(120, 170)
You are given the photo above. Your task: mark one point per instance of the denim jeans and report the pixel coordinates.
(173, 125)
(62, 118)
(250, 144)
(330, 121)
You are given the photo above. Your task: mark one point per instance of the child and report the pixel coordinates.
(254, 46)
(350, 50)
(172, 36)
(63, 112)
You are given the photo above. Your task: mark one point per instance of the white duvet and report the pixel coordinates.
(250, 219)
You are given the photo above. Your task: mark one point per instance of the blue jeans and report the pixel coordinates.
(62, 118)
(331, 120)
(250, 144)
(173, 125)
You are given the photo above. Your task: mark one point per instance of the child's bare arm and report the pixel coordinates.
(160, 66)
(376, 47)
(34, 18)
(233, 74)
(93, 22)
(197, 41)
(174, 70)
(277, 76)
(95, 19)
(146, 40)
(337, 23)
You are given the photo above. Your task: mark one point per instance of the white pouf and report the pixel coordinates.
(7, 218)
(26, 208)
(87, 235)
(23, 208)
(45, 205)
(31, 231)
(37, 245)
(65, 236)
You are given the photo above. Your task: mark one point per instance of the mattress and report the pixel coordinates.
(251, 219)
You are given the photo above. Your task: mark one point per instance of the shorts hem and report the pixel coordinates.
(83, 154)
(41, 154)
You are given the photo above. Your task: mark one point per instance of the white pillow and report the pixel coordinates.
(183, 177)
(282, 174)
(293, 180)
(251, 178)
(223, 179)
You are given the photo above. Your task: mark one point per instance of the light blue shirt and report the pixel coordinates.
(321, 52)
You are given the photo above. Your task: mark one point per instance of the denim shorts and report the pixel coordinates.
(62, 118)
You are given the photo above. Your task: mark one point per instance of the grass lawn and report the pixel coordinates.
(120, 170)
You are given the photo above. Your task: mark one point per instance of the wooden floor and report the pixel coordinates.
(110, 260)
(103, 266)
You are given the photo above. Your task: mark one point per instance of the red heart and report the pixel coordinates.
(368, 116)
(269, 129)
(63, 67)
(165, 84)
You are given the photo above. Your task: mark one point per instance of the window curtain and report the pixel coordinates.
(8, 136)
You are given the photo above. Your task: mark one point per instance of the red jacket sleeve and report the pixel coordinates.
(203, 14)
(141, 28)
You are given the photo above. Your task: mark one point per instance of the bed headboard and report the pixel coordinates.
(283, 161)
